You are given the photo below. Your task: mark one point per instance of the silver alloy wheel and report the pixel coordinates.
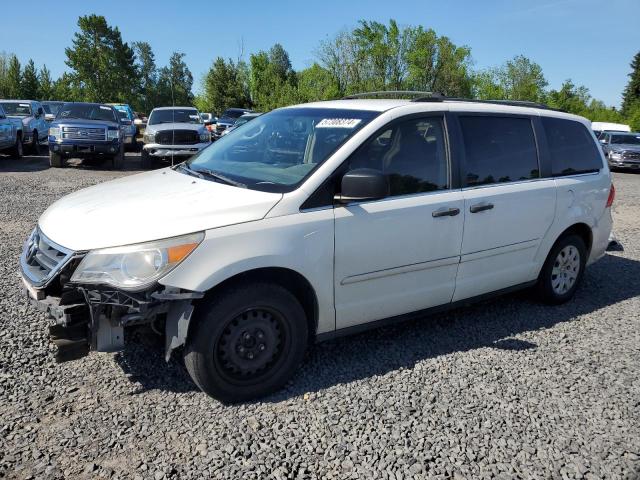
(565, 270)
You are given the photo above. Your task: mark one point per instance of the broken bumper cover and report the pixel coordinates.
(98, 322)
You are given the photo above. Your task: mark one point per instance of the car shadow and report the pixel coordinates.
(36, 163)
(488, 324)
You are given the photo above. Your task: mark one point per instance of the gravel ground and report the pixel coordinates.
(504, 389)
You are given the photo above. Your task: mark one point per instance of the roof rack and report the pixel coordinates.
(388, 93)
(439, 97)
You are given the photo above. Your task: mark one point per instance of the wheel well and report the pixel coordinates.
(583, 231)
(297, 284)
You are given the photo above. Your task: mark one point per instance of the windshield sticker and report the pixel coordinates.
(338, 123)
(105, 108)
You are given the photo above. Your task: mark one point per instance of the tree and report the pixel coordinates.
(316, 83)
(4, 68)
(223, 87)
(518, 79)
(147, 96)
(45, 84)
(64, 89)
(29, 85)
(102, 64)
(631, 94)
(14, 78)
(273, 81)
(175, 82)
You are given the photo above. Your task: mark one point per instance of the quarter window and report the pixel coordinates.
(571, 146)
(498, 149)
(411, 153)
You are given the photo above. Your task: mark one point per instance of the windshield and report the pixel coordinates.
(123, 114)
(52, 108)
(242, 120)
(87, 112)
(629, 139)
(174, 115)
(276, 151)
(16, 108)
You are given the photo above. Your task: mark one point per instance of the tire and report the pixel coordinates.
(17, 150)
(246, 342)
(146, 160)
(562, 271)
(117, 162)
(56, 160)
(35, 144)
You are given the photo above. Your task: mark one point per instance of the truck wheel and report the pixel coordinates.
(56, 160)
(17, 151)
(246, 342)
(35, 143)
(146, 160)
(563, 270)
(118, 159)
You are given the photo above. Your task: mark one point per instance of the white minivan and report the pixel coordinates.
(319, 220)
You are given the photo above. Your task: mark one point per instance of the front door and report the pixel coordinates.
(399, 254)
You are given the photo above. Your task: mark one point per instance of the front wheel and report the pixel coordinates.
(146, 160)
(17, 151)
(56, 160)
(563, 270)
(35, 143)
(118, 159)
(246, 342)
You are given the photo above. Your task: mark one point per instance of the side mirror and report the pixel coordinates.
(603, 141)
(40, 111)
(363, 184)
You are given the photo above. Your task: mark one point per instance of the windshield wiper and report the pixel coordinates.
(218, 177)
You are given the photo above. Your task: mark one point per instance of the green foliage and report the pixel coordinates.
(273, 83)
(14, 78)
(45, 84)
(102, 64)
(175, 82)
(517, 79)
(224, 86)
(65, 90)
(29, 84)
(577, 100)
(631, 94)
(633, 115)
(147, 89)
(316, 83)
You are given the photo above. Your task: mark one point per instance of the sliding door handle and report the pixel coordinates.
(445, 212)
(480, 207)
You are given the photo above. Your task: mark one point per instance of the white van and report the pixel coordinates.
(319, 220)
(599, 127)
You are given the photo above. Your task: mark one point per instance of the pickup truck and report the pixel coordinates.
(34, 126)
(10, 135)
(127, 120)
(227, 119)
(86, 130)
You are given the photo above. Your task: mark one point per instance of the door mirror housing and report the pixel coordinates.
(363, 184)
(603, 141)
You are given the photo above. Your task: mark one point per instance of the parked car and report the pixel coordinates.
(621, 149)
(88, 131)
(34, 125)
(319, 220)
(173, 132)
(10, 135)
(599, 127)
(228, 118)
(51, 108)
(247, 117)
(129, 127)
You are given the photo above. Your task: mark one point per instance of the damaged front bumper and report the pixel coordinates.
(85, 319)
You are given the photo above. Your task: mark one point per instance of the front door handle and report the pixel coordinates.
(445, 212)
(480, 207)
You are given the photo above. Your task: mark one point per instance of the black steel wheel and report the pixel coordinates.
(246, 342)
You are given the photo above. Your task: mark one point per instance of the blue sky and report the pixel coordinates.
(591, 42)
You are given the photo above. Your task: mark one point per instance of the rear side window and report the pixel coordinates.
(498, 149)
(571, 146)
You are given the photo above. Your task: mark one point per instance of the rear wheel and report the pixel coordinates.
(17, 150)
(563, 270)
(56, 160)
(246, 342)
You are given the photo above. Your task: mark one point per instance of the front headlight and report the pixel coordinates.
(149, 138)
(54, 132)
(205, 137)
(113, 134)
(135, 267)
(615, 155)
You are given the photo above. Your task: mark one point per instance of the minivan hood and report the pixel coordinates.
(149, 206)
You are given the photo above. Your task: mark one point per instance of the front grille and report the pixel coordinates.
(177, 137)
(631, 155)
(42, 259)
(83, 133)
